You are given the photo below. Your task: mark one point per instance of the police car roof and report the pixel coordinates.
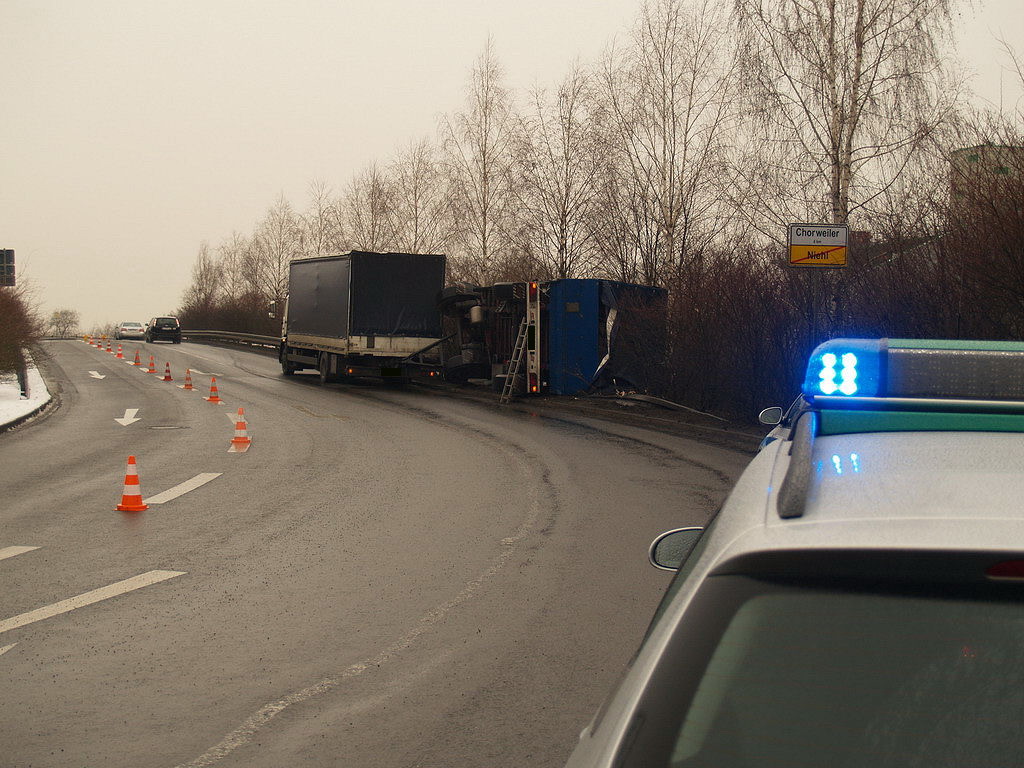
(904, 445)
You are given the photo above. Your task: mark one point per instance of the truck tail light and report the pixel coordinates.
(1007, 570)
(534, 388)
(533, 290)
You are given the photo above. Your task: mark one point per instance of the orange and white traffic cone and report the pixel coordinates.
(137, 360)
(108, 347)
(152, 365)
(214, 397)
(188, 380)
(240, 442)
(120, 352)
(167, 373)
(131, 498)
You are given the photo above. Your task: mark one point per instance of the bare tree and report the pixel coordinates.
(64, 323)
(669, 109)
(419, 211)
(322, 230)
(624, 228)
(231, 260)
(477, 146)
(556, 159)
(366, 209)
(200, 299)
(276, 241)
(841, 95)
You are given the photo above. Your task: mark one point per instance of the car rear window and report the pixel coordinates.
(166, 322)
(797, 676)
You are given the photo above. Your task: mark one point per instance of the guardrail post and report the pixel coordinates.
(23, 380)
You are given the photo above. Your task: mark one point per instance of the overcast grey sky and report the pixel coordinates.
(132, 131)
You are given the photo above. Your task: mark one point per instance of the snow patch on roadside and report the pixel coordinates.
(12, 405)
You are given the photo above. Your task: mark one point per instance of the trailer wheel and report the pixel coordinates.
(325, 367)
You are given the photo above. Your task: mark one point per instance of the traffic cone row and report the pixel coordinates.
(131, 494)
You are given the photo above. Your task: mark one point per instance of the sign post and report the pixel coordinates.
(6, 268)
(818, 245)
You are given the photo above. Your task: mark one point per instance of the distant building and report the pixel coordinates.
(985, 171)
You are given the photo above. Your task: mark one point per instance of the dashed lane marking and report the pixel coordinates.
(14, 551)
(6, 648)
(182, 488)
(88, 598)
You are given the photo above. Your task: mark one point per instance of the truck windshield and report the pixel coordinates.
(804, 677)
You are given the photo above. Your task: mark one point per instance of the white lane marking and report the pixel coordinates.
(129, 417)
(96, 375)
(182, 488)
(204, 373)
(14, 551)
(6, 648)
(88, 598)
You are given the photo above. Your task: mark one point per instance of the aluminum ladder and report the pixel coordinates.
(514, 364)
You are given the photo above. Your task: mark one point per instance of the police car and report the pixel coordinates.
(859, 598)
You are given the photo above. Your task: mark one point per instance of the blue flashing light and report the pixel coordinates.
(846, 367)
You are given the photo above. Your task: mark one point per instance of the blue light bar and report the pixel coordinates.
(846, 368)
(916, 370)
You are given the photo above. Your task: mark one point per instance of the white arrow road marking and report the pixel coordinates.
(129, 417)
(88, 598)
(96, 375)
(6, 648)
(13, 551)
(182, 488)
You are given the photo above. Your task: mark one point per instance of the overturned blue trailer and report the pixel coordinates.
(578, 335)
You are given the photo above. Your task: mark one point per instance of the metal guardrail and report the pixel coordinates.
(230, 337)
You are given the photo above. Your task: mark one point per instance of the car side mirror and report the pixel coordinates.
(770, 416)
(671, 549)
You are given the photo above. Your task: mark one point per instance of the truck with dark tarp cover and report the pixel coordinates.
(363, 314)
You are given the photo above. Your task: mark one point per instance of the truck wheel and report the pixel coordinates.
(325, 367)
(286, 367)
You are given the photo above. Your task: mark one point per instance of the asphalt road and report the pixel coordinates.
(385, 578)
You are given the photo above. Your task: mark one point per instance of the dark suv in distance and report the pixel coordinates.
(163, 328)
